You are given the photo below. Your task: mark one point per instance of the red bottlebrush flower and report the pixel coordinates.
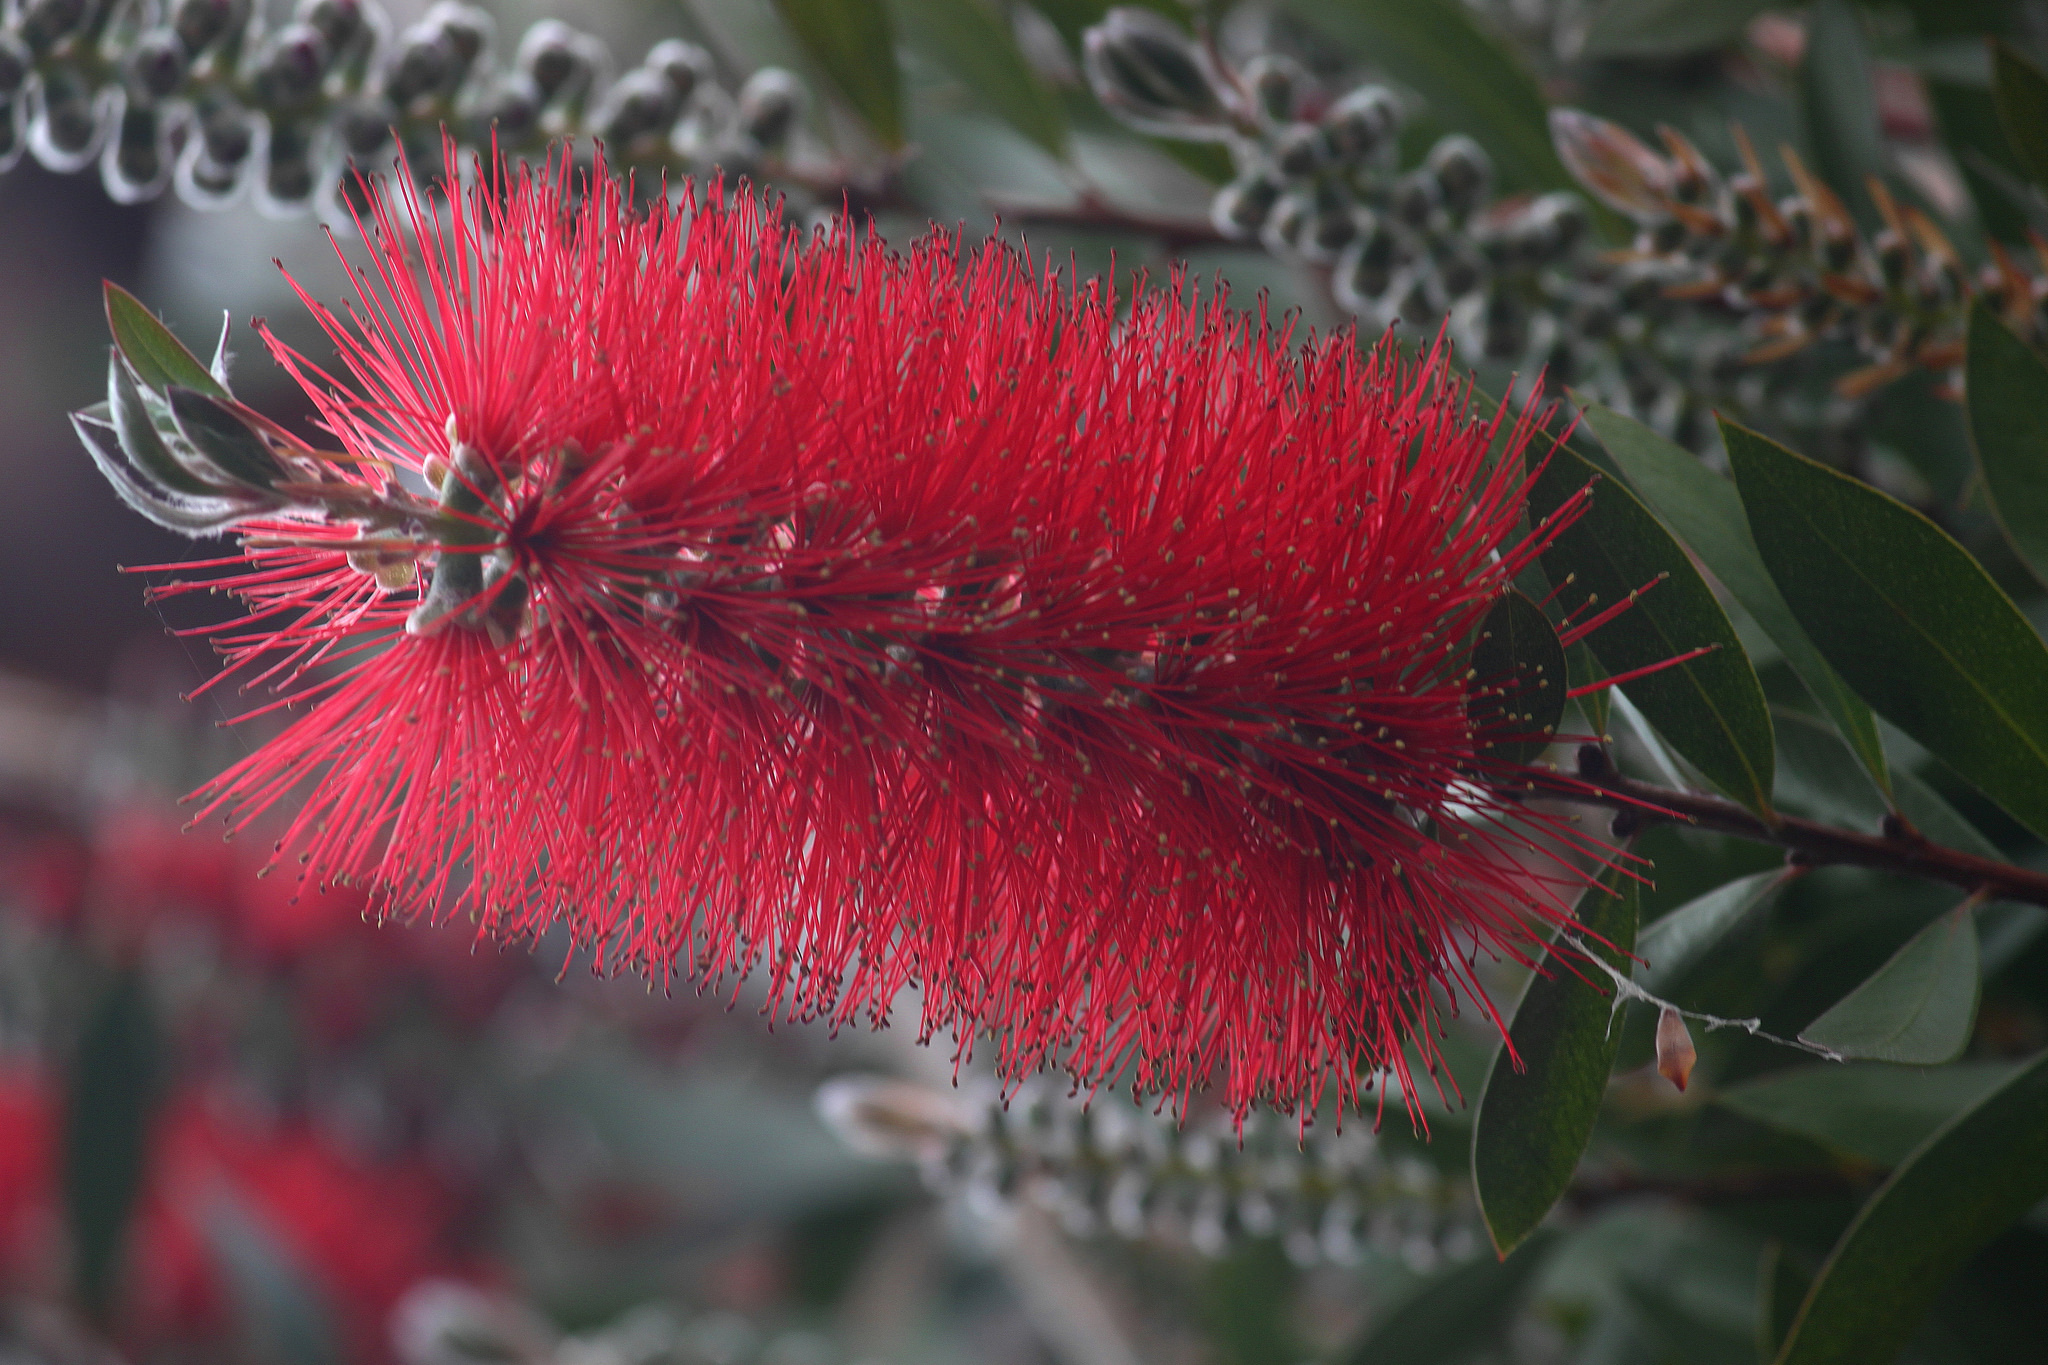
(1099, 666)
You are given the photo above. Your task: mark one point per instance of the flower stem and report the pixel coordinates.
(1899, 848)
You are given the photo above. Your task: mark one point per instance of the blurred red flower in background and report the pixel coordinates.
(223, 1185)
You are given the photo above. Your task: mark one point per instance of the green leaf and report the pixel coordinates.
(1907, 617)
(1705, 511)
(853, 43)
(1681, 940)
(1535, 1116)
(141, 442)
(1472, 81)
(211, 427)
(1975, 135)
(2021, 89)
(973, 41)
(1712, 709)
(1878, 1112)
(109, 1096)
(2007, 395)
(1521, 668)
(1453, 1313)
(1781, 1287)
(158, 358)
(1919, 1007)
(1965, 1185)
(1838, 96)
(1667, 28)
(1585, 671)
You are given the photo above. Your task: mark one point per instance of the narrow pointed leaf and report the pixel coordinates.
(221, 355)
(1838, 96)
(158, 358)
(1781, 1287)
(975, 43)
(1970, 1181)
(1667, 28)
(2007, 387)
(1520, 662)
(173, 511)
(141, 442)
(1878, 1112)
(1711, 709)
(1705, 512)
(853, 42)
(1535, 1119)
(1681, 940)
(1907, 617)
(1919, 1007)
(1453, 1313)
(223, 439)
(2021, 89)
(109, 1095)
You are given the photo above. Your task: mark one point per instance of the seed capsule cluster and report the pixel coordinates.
(1797, 270)
(1721, 285)
(211, 97)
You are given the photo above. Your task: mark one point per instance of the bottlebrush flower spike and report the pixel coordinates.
(1100, 666)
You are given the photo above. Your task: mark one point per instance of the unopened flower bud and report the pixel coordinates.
(69, 130)
(1462, 170)
(138, 162)
(1300, 150)
(1277, 85)
(1613, 163)
(225, 134)
(561, 61)
(638, 103)
(156, 65)
(1287, 222)
(1675, 1055)
(1504, 325)
(1362, 122)
(293, 63)
(15, 63)
(424, 65)
(289, 179)
(1366, 269)
(201, 22)
(769, 105)
(1328, 231)
(1415, 197)
(364, 126)
(45, 23)
(687, 67)
(510, 110)
(465, 28)
(1240, 208)
(880, 1117)
(338, 21)
(1147, 71)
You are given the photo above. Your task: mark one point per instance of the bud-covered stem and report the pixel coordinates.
(211, 97)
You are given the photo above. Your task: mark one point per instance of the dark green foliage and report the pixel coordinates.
(1545, 1087)
(1907, 617)
(1711, 708)
(109, 1092)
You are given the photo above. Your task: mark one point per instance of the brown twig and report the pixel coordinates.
(1095, 212)
(1900, 848)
